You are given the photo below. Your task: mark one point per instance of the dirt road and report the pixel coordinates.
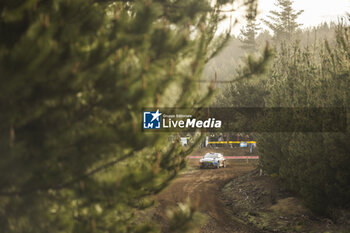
(203, 186)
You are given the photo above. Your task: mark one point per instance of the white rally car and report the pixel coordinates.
(212, 160)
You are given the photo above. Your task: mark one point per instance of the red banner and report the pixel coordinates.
(227, 157)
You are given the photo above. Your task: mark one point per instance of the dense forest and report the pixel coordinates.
(310, 68)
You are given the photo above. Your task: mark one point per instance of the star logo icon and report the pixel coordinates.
(156, 115)
(151, 120)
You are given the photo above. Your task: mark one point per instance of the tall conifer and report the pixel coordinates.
(283, 22)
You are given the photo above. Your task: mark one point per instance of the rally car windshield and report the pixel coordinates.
(210, 156)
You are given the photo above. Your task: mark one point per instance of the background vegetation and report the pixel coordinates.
(311, 68)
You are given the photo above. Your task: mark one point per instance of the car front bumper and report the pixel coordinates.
(208, 165)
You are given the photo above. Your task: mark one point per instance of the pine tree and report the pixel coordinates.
(283, 22)
(248, 35)
(75, 76)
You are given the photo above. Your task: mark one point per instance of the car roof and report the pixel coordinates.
(213, 153)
